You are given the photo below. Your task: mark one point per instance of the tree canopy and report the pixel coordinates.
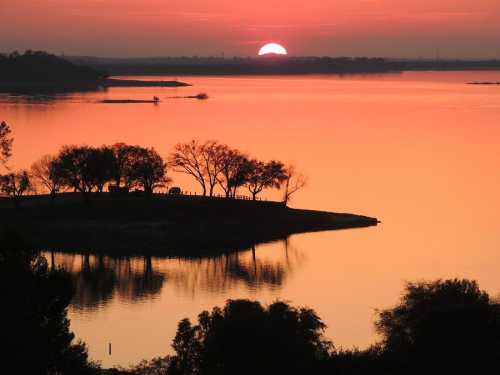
(5, 142)
(245, 337)
(35, 328)
(42, 66)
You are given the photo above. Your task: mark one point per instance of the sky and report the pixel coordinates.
(125, 28)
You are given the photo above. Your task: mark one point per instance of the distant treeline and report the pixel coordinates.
(37, 66)
(274, 65)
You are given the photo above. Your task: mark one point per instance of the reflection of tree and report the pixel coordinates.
(233, 270)
(99, 279)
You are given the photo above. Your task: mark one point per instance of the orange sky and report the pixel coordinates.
(406, 28)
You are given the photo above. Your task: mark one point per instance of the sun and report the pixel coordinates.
(272, 49)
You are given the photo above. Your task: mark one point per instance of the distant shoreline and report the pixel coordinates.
(186, 66)
(61, 86)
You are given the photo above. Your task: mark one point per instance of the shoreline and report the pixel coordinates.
(163, 225)
(34, 87)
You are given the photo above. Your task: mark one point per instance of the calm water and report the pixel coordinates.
(420, 151)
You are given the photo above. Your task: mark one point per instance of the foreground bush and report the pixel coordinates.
(35, 333)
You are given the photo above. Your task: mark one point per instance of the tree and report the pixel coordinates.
(202, 161)
(235, 170)
(35, 328)
(84, 168)
(44, 172)
(5, 142)
(73, 169)
(213, 156)
(246, 338)
(147, 170)
(445, 326)
(123, 157)
(265, 175)
(15, 184)
(188, 158)
(293, 183)
(101, 164)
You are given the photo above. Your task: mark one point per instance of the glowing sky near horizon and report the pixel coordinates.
(405, 28)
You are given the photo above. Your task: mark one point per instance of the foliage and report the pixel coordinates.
(41, 66)
(265, 175)
(235, 171)
(74, 166)
(43, 171)
(35, 332)
(444, 325)
(212, 163)
(5, 142)
(147, 170)
(246, 338)
(86, 169)
(15, 184)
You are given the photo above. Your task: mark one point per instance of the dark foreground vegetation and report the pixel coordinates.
(441, 327)
(35, 333)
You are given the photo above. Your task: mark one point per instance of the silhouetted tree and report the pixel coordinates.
(202, 161)
(188, 158)
(5, 142)
(101, 164)
(447, 326)
(72, 166)
(213, 156)
(265, 175)
(124, 156)
(15, 184)
(35, 329)
(147, 170)
(84, 168)
(44, 172)
(294, 182)
(235, 170)
(246, 338)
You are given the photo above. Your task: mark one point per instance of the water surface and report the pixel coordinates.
(420, 151)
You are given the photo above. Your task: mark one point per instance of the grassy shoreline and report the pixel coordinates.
(162, 225)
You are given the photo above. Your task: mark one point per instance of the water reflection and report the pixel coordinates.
(100, 279)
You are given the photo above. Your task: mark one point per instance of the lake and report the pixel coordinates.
(418, 150)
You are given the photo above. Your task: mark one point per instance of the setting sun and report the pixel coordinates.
(272, 49)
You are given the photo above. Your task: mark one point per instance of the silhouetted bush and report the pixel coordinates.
(246, 338)
(35, 333)
(5, 142)
(443, 326)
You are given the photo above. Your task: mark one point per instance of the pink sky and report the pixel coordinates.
(399, 28)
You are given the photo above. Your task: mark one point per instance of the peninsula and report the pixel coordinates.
(162, 224)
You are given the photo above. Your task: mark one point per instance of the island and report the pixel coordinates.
(162, 224)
